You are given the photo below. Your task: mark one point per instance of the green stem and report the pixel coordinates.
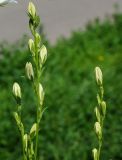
(37, 79)
(37, 121)
(22, 132)
(24, 155)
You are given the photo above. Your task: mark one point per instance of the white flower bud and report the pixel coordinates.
(31, 46)
(43, 54)
(41, 94)
(103, 106)
(99, 77)
(25, 138)
(32, 9)
(33, 130)
(16, 90)
(38, 38)
(98, 130)
(29, 70)
(95, 154)
(97, 114)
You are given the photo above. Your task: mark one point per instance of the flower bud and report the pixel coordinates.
(41, 94)
(16, 90)
(97, 114)
(25, 138)
(33, 130)
(38, 38)
(95, 154)
(29, 71)
(17, 118)
(31, 46)
(103, 107)
(32, 10)
(98, 74)
(98, 130)
(43, 54)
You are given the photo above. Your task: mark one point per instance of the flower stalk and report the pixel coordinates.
(33, 71)
(100, 112)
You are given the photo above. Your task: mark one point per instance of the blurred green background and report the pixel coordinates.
(68, 79)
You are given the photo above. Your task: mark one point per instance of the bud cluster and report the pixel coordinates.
(100, 112)
(33, 71)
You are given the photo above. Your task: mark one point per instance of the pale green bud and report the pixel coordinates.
(41, 94)
(95, 154)
(43, 54)
(33, 130)
(99, 77)
(103, 106)
(32, 10)
(31, 46)
(18, 121)
(98, 99)
(32, 149)
(98, 130)
(17, 118)
(29, 71)
(97, 113)
(38, 38)
(25, 138)
(16, 90)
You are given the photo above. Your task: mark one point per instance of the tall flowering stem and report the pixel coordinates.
(100, 112)
(33, 70)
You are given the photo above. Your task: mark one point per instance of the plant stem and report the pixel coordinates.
(22, 132)
(37, 79)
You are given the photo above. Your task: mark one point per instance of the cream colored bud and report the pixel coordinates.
(98, 130)
(38, 38)
(32, 9)
(99, 77)
(97, 113)
(33, 130)
(41, 94)
(17, 118)
(16, 90)
(43, 54)
(25, 138)
(29, 70)
(95, 154)
(103, 106)
(31, 46)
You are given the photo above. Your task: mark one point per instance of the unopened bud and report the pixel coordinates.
(17, 118)
(25, 138)
(31, 46)
(103, 107)
(33, 130)
(99, 77)
(32, 10)
(29, 71)
(98, 130)
(95, 154)
(41, 94)
(97, 114)
(16, 90)
(38, 38)
(43, 54)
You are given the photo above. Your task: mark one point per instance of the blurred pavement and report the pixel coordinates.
(59, 17)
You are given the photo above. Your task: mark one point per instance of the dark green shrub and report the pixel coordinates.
(67, 128)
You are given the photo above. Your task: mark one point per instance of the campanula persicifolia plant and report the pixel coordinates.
(100, 112)
(33, 71)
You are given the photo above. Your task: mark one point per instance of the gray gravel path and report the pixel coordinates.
(59, 17)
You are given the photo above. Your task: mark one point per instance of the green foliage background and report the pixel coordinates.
(68, 79)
